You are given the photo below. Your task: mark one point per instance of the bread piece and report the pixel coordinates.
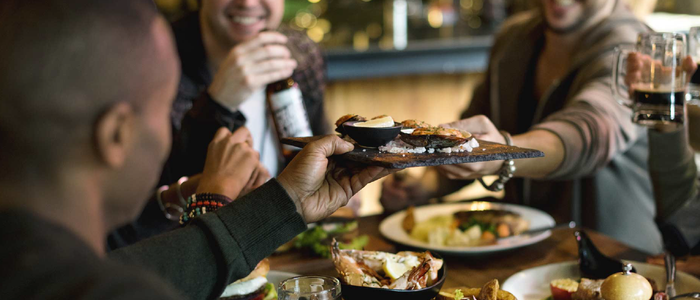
(449, 293)
(489, 291)
(588, 290)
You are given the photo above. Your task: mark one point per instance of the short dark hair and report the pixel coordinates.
(65, 62)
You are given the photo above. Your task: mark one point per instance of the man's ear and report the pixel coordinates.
(115, 133)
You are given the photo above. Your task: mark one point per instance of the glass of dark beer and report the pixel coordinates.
(659, 95)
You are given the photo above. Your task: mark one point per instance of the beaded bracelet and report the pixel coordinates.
(199, 204)
(506, 171)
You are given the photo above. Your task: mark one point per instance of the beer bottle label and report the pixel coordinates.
(290, 114)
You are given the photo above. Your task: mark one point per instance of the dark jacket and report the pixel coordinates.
(41, 260)
(603, 181)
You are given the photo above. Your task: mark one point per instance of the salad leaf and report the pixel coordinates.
(357, 243)
(458, 295)
(310, 237)
(270, 292)
(315, 240)
(347, 227)
(484, 226)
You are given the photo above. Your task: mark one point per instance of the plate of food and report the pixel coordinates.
(469, 228)
(382, 141)
(405, 275)
(563, 281)
(259, 284)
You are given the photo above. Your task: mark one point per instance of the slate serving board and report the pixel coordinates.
(493, 151)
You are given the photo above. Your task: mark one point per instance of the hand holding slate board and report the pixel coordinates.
(372, 156)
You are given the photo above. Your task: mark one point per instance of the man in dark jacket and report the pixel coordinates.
(86, 89)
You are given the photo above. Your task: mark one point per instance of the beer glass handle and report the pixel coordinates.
(620, 65)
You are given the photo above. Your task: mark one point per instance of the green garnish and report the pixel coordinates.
(270, 292)
(315, 239)
(310, 237)
(458, 295)
(347, 227)
(483, 226)
(357, 243)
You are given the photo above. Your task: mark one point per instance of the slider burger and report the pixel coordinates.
(252, 287)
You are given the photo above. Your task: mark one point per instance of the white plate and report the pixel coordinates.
(391, 227)
(533, 284)
(275, 277)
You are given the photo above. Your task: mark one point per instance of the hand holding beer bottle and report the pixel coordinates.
(250, 66)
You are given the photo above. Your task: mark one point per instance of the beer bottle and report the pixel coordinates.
(288, 113)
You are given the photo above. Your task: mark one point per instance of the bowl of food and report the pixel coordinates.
(372, 133)
(380, 275)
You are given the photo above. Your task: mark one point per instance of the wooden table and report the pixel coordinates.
(466, 271)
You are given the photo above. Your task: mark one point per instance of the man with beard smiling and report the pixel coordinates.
(229, 53)
(548, 84)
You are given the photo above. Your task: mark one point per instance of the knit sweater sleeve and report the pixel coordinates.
(218, 248)
(593, 128)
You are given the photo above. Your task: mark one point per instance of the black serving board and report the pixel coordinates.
(487, 151)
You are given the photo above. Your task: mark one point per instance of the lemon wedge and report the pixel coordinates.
(381, 122)
(394, 269)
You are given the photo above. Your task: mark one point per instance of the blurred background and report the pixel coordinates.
(390, 56)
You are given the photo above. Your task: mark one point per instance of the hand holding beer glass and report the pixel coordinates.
(656, 76)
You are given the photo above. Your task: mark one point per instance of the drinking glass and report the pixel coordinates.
(658, 96)
(309, 288)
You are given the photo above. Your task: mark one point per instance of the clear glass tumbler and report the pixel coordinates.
(309, 288)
